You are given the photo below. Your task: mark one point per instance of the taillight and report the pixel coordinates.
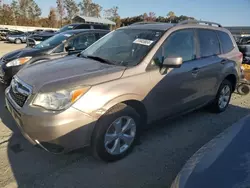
(241, 57)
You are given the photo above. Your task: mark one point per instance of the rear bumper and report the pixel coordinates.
(54, 132)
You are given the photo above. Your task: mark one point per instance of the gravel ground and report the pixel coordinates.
(7, 47)
(164, 149)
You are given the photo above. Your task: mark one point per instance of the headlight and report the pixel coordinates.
(18, 61)
(59, 100)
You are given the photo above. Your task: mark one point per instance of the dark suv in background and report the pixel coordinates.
(244, 46)
(39, 37)
(60, 45)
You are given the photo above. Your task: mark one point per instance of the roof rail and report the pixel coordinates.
(198, 22)
(141, 23)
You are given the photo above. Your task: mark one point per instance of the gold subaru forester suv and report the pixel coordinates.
(106, 95)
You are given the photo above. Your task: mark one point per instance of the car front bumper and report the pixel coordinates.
(54, 132)
(7, 73)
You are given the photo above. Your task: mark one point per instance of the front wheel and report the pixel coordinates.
(115, 133)
(18, 41)
(223, 97)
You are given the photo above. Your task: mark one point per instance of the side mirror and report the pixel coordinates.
(69, 48)
(172, 62)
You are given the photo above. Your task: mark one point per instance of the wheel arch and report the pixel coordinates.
(134, 101)
(232, 79)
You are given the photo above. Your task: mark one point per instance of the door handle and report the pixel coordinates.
(223, 61)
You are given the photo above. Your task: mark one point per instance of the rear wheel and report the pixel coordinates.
(18, 41)
(115, 133)
(223, 97)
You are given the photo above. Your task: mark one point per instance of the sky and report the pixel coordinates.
(225, 12)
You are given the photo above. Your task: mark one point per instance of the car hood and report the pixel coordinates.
(25, 52)
(68, 72)
(223, 162)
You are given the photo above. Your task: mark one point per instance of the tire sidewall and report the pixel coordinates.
(18, 41)
(241, 87)
(223, 84)
(102, 126)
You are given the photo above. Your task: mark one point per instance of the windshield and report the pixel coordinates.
(53, 41)
(66, 28)
(125, 46)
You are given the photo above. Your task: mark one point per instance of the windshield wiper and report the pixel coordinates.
(97, 58)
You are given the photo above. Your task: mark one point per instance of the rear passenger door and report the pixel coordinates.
(208, 65)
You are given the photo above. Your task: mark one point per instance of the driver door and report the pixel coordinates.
(174, 89)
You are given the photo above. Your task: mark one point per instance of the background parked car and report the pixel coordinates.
(60, 45)
(3, 33)
(221, 163)
(244, 46)
(17, 38)
(39, 37)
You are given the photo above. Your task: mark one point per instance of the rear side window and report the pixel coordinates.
(83, 26)
(208, 43)
(102, 34)
(99, 26)
(226, 42)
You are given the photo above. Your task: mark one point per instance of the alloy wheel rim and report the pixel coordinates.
(120, 135)
(224, 97)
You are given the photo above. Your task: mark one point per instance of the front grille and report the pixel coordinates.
(19, 91)
(19, 98)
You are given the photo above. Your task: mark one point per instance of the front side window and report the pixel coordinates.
(178, 44)
(83, 26)
(208, 43)
(83, 41)
(125, 47)
(226, 42)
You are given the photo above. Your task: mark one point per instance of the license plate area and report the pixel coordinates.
(13, 112)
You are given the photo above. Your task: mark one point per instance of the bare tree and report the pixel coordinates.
(52, 18)
(71, 8)
(88, 8)
(171, 16)
(60, 10)
(113, 15)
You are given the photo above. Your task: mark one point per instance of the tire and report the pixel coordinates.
(243, 89)
(104, 149)
(18, 41)
(215, 107)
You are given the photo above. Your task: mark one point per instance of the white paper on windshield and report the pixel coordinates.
(143, 42)
(67, 35)
(37, 42)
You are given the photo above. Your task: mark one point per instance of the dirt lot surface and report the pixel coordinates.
(154, 163)
(7, 47)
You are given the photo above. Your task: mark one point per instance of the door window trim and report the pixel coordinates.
(150, 66)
